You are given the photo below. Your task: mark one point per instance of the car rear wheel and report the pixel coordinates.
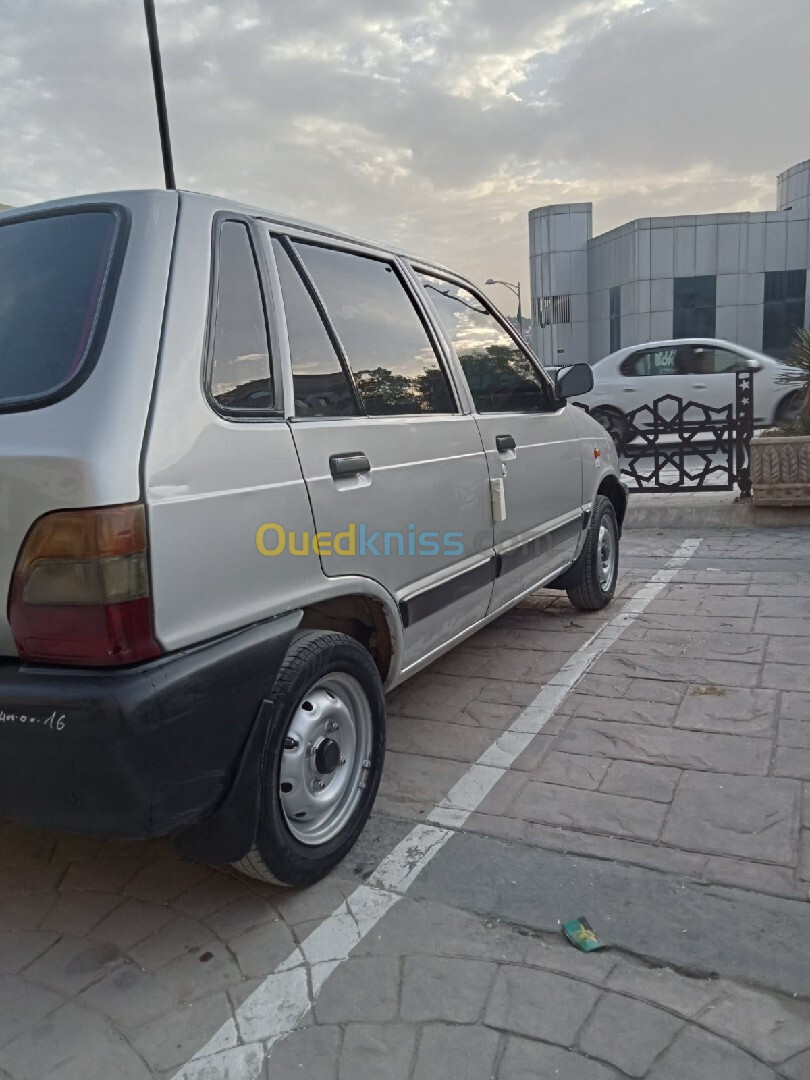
(789, 408)
(593, 582)
(615, 424)
(322, 761)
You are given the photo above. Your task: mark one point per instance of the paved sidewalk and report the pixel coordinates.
(677, 772)
(686, 748)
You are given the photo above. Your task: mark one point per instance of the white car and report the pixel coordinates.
(694, 369)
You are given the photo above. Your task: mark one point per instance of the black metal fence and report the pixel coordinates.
(678, 445)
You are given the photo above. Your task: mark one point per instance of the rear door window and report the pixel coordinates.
(706, 360)
(57, 277)
(395, 366)
(320, 383)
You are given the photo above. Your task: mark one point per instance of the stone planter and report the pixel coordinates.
(780, 470)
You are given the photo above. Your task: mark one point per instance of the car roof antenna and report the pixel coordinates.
(160, 93)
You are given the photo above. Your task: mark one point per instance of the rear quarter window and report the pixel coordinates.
(57, 277)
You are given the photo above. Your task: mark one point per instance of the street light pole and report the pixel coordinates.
(516, 290)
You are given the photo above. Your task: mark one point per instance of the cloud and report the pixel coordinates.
(436, 124)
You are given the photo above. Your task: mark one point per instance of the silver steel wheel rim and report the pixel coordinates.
(606, 555)
(325, 758)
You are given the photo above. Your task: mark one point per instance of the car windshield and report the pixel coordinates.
(53, 271)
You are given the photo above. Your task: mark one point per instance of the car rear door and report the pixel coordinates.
(396, 472)
(709, 373)
(531, 441)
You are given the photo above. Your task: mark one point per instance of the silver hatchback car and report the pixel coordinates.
(253, 473)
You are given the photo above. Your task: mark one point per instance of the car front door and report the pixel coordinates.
(531, 441)
(396, 473)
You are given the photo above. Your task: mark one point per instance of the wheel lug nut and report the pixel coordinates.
(343, 761)
(291, 743)
(333, 725)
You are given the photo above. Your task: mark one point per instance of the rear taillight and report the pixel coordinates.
(80, 591)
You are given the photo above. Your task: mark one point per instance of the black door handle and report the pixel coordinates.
(504, 443)
(348, 464)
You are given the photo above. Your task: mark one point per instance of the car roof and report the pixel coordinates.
(220, 204)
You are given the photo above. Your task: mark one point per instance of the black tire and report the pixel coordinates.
(789, 407)
(615, 424)
(588, 589)
(278, 856)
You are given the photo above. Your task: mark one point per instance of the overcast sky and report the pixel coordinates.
(435, 124)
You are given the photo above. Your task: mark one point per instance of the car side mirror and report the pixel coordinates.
(575, 381)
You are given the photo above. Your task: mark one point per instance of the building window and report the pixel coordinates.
(550, 310)
(615, 318)
(695, 304)
(784, 310)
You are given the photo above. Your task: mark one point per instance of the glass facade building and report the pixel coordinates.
(742, 277)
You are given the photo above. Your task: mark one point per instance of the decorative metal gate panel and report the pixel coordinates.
(677, 445)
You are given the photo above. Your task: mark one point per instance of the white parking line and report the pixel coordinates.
(238, 1050)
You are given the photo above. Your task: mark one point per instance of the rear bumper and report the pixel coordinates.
(140, 752)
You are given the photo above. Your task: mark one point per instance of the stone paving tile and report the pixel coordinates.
(25, 912)
(591, 810)
(438, 739)
(73, 964)
(540, 1005)
(510, 664)
(633, 688)
(436, 988)
(311, 1054)
(656, 746)
(787, 626)
(639, 781)
(379, 1052)
(678, 993)
(558, 956)
(131, 922)
(773, 1029)
(49, 1049)
(788, 761)
(261, 949)
(716, 1060)
(787, 650)
(78, 912)
(130, 996)
(786, 676)
(19, 948)
(721, 709)
(794, 733)
(102, 875)
(525, 1060)
(413, 783)
(456, 1053)
(628, 1034)
(363, 990)
(680, 669)
(753, 817)
(743, 648)
(804, 857)
(593, 707)
(22, 1004)
(572, 770)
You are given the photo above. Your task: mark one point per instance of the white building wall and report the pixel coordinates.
(793, 187)
(559, 237)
